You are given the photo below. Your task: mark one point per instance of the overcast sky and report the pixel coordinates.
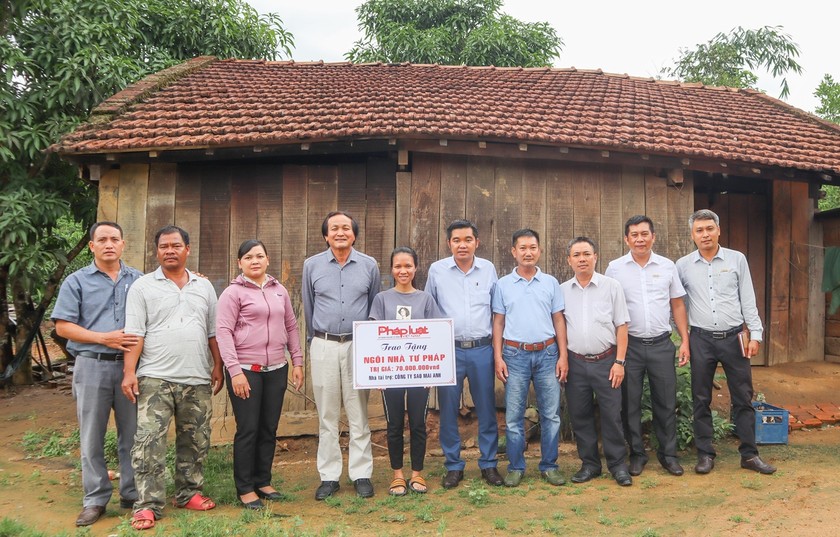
(637, 38)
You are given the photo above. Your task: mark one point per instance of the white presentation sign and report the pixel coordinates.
(401, 354)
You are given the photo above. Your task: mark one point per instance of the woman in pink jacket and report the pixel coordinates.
(255, 326)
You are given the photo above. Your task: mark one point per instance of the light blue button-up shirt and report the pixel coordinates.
(720, 294)
(528, 306)
(465, 297)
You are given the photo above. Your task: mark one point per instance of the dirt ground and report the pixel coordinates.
(800, 499)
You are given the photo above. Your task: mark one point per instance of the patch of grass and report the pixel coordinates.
(649, 483)
(752, 483)
(558, 516)
(393, 517)
(479, 497)
(648, 532)
(578, 510)
(500, 523)
(50, 443)
(738, 519)
(424, 514)
(13, 528)
(552, 529)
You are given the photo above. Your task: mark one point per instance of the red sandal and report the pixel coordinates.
(143, 519)
(199, 502)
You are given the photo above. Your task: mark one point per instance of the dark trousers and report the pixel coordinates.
(586, 379)
(256, 427)
(706, 352)
(657, 361)
(396, 402)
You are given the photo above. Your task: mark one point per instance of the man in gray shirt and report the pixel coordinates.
(721, 300)
(90, 313)
(173, 371)
(339, 285)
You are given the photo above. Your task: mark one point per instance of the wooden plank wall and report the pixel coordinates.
(223, 204)
(558, 200)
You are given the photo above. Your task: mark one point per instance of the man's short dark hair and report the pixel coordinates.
(353, 223)
(577, 240)
(166, 230)
(461, 224)
(635, 221)
(97, 225)
(524, 232)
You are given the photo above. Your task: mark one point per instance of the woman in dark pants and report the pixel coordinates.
(403, 301)
(255, 326)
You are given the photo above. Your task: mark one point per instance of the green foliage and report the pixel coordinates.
(685, 412)
(50, 443)
(828, 92)
(451, 32)
(61, 58)
(731, 59)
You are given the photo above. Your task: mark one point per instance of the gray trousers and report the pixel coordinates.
(585, 382)
(96, 388)
(657, 361)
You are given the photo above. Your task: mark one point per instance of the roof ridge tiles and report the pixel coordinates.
(798, 111)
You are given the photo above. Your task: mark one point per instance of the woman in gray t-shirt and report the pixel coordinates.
(403, 301)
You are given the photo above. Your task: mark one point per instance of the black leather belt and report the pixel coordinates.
(723, 334)
(340, 338)
(474, 343)
(103, 356)
(651, 340)
(530, 347)
(591, 358)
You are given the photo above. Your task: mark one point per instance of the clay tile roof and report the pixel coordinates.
(222, 103)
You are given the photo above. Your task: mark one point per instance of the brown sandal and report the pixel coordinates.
(397, 484)
(415, 481)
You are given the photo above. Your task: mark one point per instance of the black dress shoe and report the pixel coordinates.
(364, 488)
(671, 466)
(271, 496)
(757, 465)
(623, 478)
(125, 503)
(453, 477)
(585, 474)
(637, 465)
(705, 463)
(491, 475)
(89, 515)
(326, 489)
(254, 505)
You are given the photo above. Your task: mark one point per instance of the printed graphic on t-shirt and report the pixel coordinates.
(403, 312)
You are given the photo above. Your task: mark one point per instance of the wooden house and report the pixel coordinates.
(234, 149)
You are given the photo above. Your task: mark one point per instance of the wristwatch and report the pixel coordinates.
(620, 362)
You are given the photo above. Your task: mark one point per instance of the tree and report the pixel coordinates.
(731, 59)
(828, 92)
(60, 59)
(451, 32)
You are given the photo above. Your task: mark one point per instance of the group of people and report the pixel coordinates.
(157, 347)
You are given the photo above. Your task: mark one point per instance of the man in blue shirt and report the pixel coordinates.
(90, 313)
(463, 285)
(529, 343)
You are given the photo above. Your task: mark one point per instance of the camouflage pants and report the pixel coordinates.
(157, 403)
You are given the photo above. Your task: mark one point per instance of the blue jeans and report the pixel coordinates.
(476, 365)
(523, 367)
